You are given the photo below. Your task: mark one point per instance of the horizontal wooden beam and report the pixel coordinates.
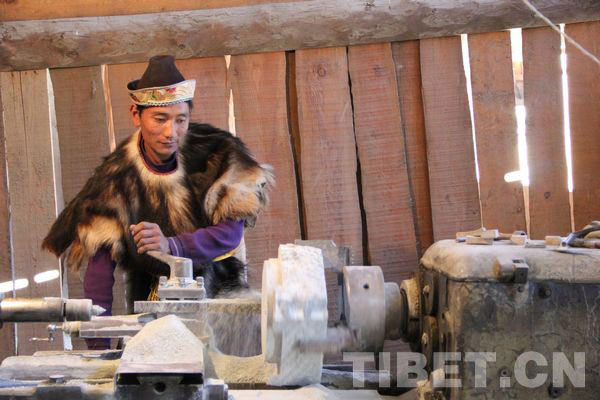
(23, 10)
(263, 27)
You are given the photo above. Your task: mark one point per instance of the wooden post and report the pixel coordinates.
(45, 9)
(548, 193)
(253, 28)
(35, 195)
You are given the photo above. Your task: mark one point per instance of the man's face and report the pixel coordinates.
(163, 128)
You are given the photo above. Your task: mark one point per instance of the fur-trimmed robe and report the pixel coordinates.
(217, 178)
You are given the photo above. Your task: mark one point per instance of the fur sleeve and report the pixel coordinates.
(93, 219)
(238, 186)
(239, 194)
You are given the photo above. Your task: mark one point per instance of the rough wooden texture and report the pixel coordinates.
(328, 157)
(584, 109)
(32, 162)
(82, 125)
(502, 204)
(7, 332)
(408, 76)
(265, 27)
(386, 189)
(548, 193)
(259, 94)
(47, 9)
(381, 151)
(450, 153)
(211, 99)
(84, 139)
(328, 149)
(118, 78)
(294, 129)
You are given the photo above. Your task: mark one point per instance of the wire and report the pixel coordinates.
(563, 34)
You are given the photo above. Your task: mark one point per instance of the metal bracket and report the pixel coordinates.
(511, 270)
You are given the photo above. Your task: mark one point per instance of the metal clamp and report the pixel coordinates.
(181, 284)
(511, 270)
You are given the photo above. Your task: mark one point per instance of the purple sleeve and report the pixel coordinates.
(99, 280)
(208, 243)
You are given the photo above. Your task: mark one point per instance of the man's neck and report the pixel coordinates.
(152, 156)
(154, 162)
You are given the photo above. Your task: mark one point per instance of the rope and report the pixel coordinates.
(563, 34)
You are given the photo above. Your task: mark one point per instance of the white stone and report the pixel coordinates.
(294, 306)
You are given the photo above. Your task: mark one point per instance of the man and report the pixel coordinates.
(173, 186)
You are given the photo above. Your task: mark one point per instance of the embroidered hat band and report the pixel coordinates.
(165, 95)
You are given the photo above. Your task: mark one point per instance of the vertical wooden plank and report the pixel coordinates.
(548, 192)
(35, 196)
(502, 204)
(450, 153)
(328, 159)
(118, 78)
(7, 332)
(584, 110)
(84, 139)
(258, 82)
(381, 151)
(408, 76)
(211, 99)
(82, 124)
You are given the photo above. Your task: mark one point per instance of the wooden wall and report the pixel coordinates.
(372, 145)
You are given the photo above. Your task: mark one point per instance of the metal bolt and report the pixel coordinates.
(545, 292)
(159, 387)
(56, 378)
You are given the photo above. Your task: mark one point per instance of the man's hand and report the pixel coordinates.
(148, 236)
